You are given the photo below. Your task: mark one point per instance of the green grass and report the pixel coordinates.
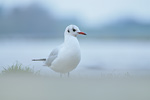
(18, 69)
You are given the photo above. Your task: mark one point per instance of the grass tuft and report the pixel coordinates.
(18, 69)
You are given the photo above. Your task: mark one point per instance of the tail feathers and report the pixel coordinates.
(39, 59)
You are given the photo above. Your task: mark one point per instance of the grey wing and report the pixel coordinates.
(53, 55)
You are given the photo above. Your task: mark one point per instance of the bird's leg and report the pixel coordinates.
(68, 74)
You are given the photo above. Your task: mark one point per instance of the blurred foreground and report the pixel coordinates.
(31, 87)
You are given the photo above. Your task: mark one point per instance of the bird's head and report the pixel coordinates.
(73, 30)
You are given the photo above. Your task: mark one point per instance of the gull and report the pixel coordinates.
(67, 56)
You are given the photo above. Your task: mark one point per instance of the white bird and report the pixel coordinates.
(65, 57)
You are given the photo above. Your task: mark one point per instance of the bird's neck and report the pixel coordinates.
(72, 46)
(68, 39)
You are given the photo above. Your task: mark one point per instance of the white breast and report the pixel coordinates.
(68, 57)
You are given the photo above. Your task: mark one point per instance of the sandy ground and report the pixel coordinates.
(29, 87)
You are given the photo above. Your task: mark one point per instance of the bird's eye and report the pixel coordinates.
(74, 29)
(68, 31)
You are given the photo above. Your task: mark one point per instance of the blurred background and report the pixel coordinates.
(115, 63)
(118, 33)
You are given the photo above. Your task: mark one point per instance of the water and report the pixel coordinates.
(97, 55)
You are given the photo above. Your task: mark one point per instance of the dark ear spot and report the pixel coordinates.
(68, 31)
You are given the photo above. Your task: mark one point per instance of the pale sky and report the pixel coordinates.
(91, 12)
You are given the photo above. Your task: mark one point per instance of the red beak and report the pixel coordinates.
(82, 33)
